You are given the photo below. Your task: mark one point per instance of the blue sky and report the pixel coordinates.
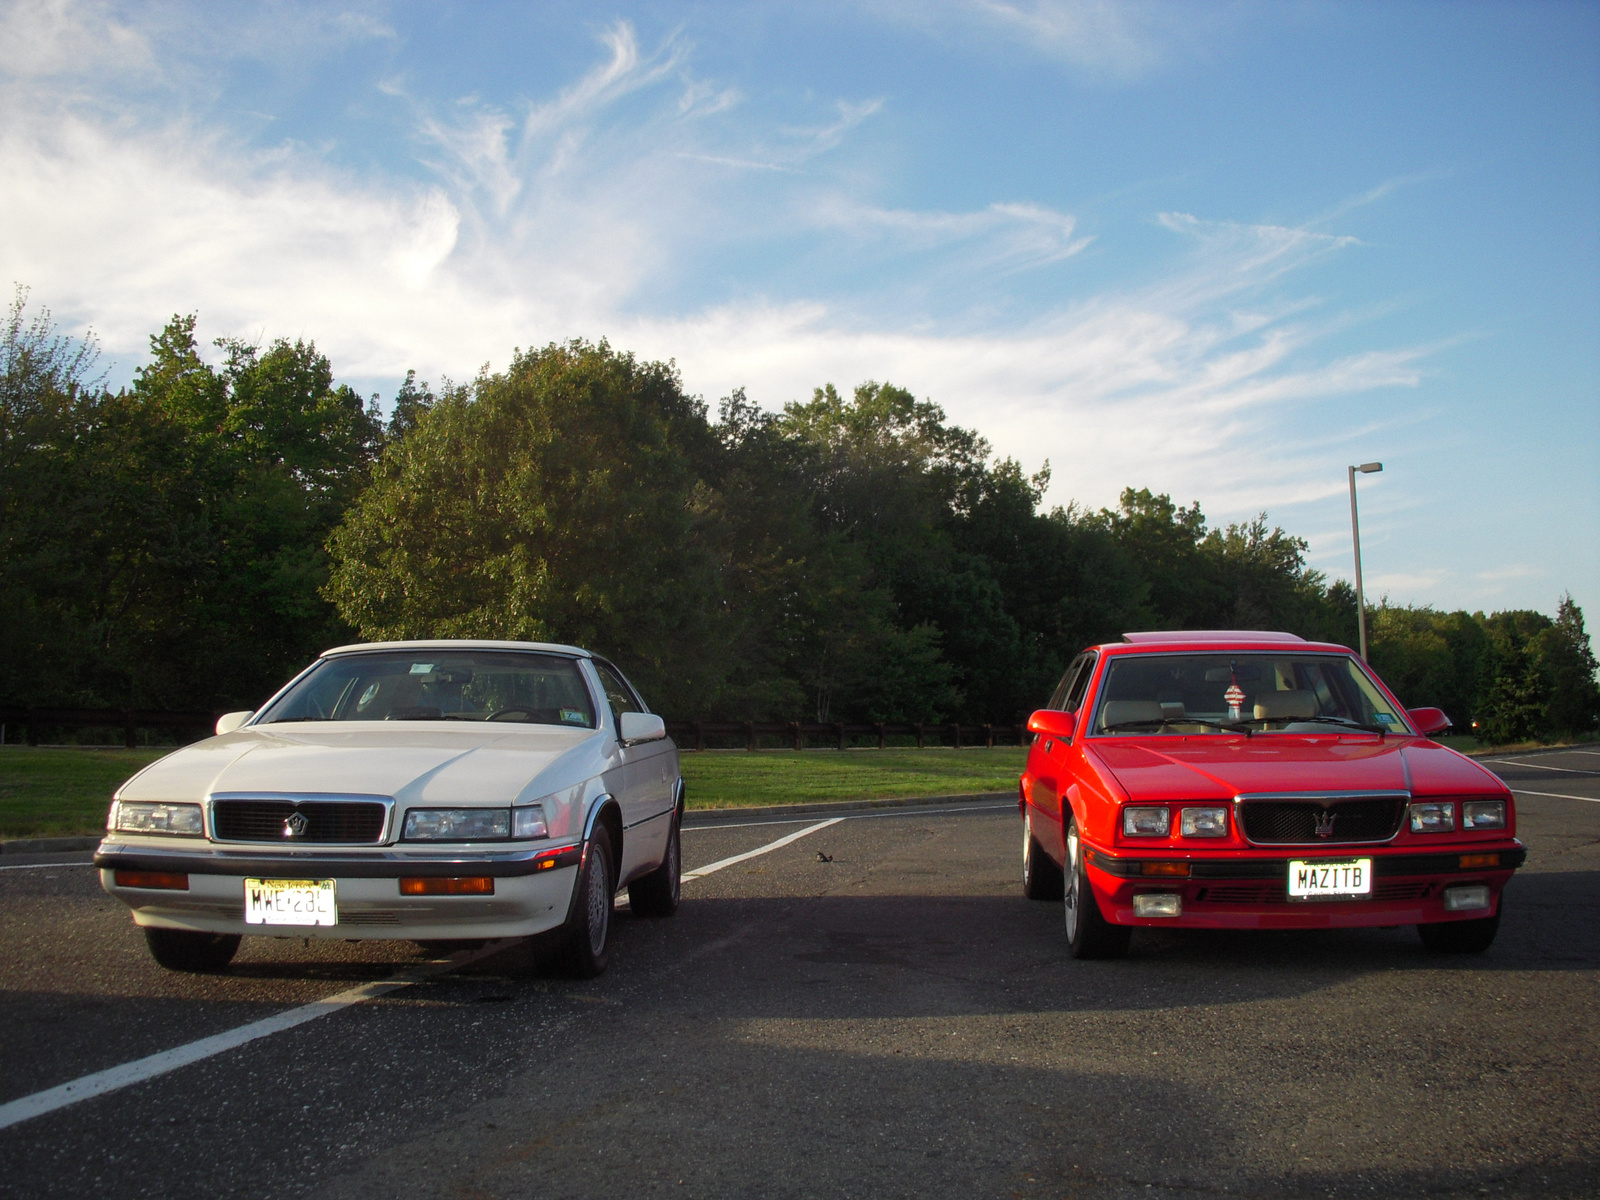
(1220, 251)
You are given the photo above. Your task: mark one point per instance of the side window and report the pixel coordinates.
(621, 697)
(1080, 683)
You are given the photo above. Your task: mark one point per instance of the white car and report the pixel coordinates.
(432, 790)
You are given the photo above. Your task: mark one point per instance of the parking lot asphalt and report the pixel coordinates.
(870, 1010)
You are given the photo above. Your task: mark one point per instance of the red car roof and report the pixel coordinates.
(1217, 639)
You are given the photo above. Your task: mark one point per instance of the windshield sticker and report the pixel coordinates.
(421, 668)
(573, 715)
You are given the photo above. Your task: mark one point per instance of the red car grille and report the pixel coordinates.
(1303, 822)
(343, 821)
(1276, 891)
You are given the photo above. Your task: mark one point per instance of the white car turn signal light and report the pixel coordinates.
(1140, 821)
(1204, 822)
(1433, 816)
(1483, 814)
(528, 822)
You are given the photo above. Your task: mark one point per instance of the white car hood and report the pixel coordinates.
(411, 762)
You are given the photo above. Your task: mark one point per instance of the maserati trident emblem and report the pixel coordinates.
(1324, 823)
(295, 825)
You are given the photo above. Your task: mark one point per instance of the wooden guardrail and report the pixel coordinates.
(129, 720)
(801, 735)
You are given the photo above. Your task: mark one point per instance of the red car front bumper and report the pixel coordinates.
(1253, 893)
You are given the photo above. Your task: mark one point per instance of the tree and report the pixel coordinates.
(1567, 661)
(552, 502)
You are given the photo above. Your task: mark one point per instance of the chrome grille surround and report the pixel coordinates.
(335, 819)
(1291, 818)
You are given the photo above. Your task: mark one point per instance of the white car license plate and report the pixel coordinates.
(1347, 877)
(290, 902)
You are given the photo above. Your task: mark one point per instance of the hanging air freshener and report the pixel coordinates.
(1235, 698)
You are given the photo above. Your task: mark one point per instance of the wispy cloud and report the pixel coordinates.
(573, 214)
(1113, 40)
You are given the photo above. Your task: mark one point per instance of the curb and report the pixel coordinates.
(54, 845)
(720, 816)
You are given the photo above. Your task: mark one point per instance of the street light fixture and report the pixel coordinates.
(1355, 537)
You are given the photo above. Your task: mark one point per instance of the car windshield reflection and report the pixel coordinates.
(1175, 694)
(455, 685)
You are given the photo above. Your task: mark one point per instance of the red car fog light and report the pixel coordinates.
(448, 885)
(1461, 899)
(1158, 904)
(1179, 870)
(169, 881)
(1142, 821)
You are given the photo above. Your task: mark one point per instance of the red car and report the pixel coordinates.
(1240, 780)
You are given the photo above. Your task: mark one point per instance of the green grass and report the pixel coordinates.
(735, 778)
(58, 792)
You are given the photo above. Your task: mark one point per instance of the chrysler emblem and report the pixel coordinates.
(295, 825)
(1324, 823)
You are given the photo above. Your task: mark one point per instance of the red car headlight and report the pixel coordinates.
(1433, 816)
(1483, 814)
(1204, 822)
(1146, 821)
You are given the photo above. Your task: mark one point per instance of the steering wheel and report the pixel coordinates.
(513, 708)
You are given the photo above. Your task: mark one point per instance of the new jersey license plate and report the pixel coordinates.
(1347, 877)
(290, 902)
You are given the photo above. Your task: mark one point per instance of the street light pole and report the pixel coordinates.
(1355, 537)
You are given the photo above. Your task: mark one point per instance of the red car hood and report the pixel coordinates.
(1209, 767)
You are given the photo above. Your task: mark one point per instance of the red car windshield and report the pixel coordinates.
(1230, 692)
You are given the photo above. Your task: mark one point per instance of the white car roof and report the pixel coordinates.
(457, 644)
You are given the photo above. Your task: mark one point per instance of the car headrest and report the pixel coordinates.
(1117, 711)
(1285, 706)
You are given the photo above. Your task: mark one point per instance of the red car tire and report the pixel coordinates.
(1089, 934)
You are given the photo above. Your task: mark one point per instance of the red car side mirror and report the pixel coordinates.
(1428, 720)
(1053, 723)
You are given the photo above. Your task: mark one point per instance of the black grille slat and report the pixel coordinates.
(1287, 822)
(342, 821)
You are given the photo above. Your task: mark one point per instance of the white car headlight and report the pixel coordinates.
(1139, 821)
(457, 825)
(138, 816)
(1433, 816)
(1483, 814)
(1204, 822)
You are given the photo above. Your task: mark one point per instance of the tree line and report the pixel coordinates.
(192, 539)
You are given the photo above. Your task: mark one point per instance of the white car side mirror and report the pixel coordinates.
(641, 727)
(228, 722)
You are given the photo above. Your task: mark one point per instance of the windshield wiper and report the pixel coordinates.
(281, 720)
(1346, 722)
(1165, 721)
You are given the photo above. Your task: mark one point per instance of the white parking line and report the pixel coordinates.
(701, 872)
(1506, 762)
(1556, 795)
(140, 1069)
(112, 1079)
(866, 816)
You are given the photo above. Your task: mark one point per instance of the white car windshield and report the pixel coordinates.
(440, 685)
(1233, 692)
